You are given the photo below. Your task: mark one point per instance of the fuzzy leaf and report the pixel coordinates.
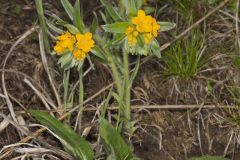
(115, 16)
(130, 7)
(116, 147)
(68, 8)
(94, 24)
(71, 28)
(118, 27)
(99, 53)
(77, 18)
(73, 143)
(166, 26)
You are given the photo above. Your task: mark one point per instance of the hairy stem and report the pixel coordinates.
(66, 86)
(81, 99)
(127, 89)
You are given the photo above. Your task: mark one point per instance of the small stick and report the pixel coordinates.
(9, 103)
(148, 107)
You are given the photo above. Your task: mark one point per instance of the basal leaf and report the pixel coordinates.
(73, 143)
(113, 142)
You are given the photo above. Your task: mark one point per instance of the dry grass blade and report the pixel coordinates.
(45, 65)
(20, 128)
(9, 103)
(1, 95)
(237, 26)
(49, 100)
(40, 95)
(4, 124)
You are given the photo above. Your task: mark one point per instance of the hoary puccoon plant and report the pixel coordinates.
(127, 29)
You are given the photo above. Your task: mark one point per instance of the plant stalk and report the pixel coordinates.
(81, 99)
(65, 86)
(127, 90)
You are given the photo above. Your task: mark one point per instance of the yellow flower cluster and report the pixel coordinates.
(132, 35)
(84, 44)
(79, 44)
(65, 42)
(146, 25)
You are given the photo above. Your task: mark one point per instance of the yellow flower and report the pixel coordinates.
(148, 37)
(155, 27)
(85, 41)
(65, 41)
(143, 23)
(131, 35)
(79, 54)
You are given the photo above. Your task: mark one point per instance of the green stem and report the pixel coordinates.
(81, 99)
(116, 75)
(127, 88)
(118, 82)
(66, 86)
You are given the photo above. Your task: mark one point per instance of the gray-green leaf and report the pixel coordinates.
(73, 143)
(166, 26)
(116, 147)
(118, 27)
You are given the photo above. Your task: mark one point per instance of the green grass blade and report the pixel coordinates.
(73, 143)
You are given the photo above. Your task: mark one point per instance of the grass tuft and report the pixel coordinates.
(185, 59)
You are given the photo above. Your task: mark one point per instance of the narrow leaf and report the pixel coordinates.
(114, 143)
(94, 24)
(115, 16)
(71, 28)
(118, 27)
(68, 8)
(77, 18)
(72, 142)
(166, 26)
(99, 53)
(130, 7)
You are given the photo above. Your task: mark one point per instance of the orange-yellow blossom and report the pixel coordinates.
(65, 42)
